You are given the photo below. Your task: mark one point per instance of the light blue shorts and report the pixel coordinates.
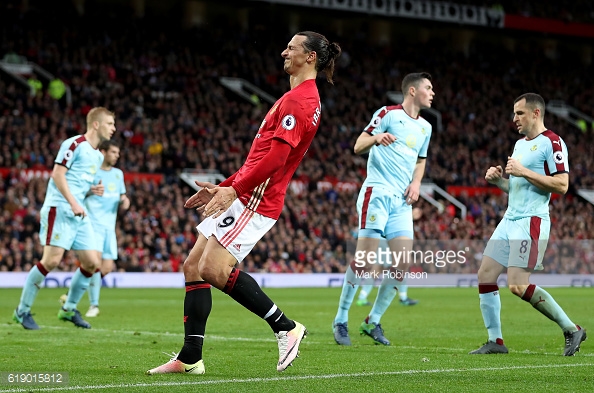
(106, 242)
(60, 228)
(520, 243)
(383, 211)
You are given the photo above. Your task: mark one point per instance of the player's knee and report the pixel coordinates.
(90, 264)
(517, 290)
(208, 272)
(50, 265)
(486, 275)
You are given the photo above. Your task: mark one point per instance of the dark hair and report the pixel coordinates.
(413, 80)
(533, 101)
(105, 145)
(326, 52)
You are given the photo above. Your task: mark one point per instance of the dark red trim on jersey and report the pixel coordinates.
(534, 235)
(194, 286)
(73, 146)
(556, 144)
(529, 293)
(488, 288)
(231, 280)
(365, 206)
(51, 220)
(41, 268)
(381, 115)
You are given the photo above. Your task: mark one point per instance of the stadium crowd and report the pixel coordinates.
(172, 113)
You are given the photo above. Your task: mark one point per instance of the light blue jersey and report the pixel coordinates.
(83, 161)
(103, 210)
(391, 167)
(546, 155)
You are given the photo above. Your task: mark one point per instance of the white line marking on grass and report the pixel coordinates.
(288, 378)
(305, 342)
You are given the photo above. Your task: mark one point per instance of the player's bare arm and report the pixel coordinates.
(413, 191)
(495, 176)
(558, 183)
(366, 141)
(124, 202)
(59, 176)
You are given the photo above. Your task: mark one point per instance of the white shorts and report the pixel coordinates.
(238, 229)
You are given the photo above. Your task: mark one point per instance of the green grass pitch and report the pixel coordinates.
(429, 349)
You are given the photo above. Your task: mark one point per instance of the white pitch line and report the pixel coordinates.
(305, 342)
(288, 378)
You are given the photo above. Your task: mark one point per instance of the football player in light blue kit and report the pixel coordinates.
(64, 223)
(397, 140)
(103, 203)
(538, 166)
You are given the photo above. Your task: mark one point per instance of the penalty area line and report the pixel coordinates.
(287, 378)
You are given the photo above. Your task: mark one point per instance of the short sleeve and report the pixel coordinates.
(375, 125)
(557, 160)
(67, 153)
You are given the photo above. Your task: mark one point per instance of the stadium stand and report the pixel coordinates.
(173, 114)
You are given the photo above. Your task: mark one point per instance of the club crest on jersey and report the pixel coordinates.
(559, 157)
(411, 141)
(288, 122)
(372, 218)
(533, 148)
(423, 131)
(93, 169)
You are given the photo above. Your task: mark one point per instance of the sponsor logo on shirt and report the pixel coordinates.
(407, 151)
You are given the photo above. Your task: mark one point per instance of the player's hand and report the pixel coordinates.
(222, 198)
(412, 192)
(98, 189)
(78, 210)
(384, 139)
(514, 167)
(494, 174)
(201, 198)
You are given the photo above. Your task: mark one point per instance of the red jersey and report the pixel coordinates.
(294, 118)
